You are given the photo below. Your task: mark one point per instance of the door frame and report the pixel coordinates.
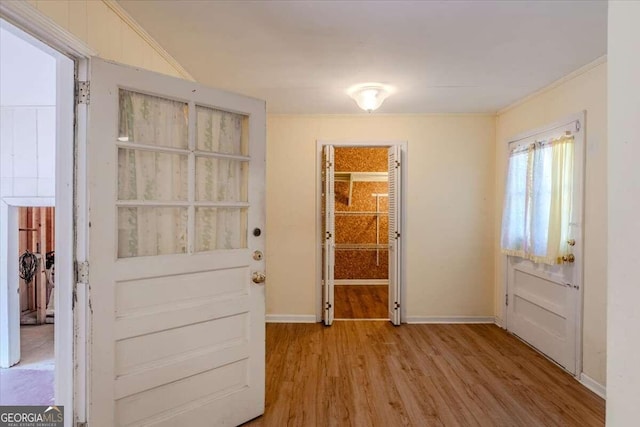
(403, 214)
(10, 353)
(578, 249)
(70, 201)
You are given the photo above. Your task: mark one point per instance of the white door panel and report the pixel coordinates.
(178, 337)
(542, 311)
(544, 301)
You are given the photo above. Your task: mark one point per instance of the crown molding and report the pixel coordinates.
(580, 71)
(128, 19)
(29, 19)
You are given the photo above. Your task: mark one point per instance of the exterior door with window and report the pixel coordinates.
(542, 236)
(176, 181)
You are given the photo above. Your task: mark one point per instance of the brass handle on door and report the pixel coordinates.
(258, 277)
(568, 258)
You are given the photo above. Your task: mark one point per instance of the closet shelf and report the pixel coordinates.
(360, 213)
(352, 177)
(360, 247)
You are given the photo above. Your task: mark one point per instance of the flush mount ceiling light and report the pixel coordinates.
(369, 96)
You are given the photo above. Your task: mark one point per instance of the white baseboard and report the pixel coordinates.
(362, 282)
(593, 385)
(290, 318)
(450, 319)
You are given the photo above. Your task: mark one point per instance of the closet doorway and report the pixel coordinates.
(360, 240)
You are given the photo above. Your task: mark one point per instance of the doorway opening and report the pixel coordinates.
(359, 218)
(36, 137)
(36, 266)
(361, 271)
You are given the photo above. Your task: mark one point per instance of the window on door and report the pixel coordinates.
(538, 200)
(180, 193)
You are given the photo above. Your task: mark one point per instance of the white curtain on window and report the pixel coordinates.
(220, 180)
(538, 201)
(151, 176)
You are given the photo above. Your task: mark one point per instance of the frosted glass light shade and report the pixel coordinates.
(369, 96)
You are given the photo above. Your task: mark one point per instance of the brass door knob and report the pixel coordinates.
(569, 258)
(258, 277)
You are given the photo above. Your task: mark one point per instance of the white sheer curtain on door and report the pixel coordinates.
(149, 173)
(169, 184)
(538, 201)
(221, 177)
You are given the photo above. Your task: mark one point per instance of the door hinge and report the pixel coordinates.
(506, 300)
(327, 305)
(328, 235)
(82, 272)
(83, 92)
(397, 235)
(327, 165)
(396, 305)
(397, 164)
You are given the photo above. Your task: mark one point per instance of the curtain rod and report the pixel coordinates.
(577, 122)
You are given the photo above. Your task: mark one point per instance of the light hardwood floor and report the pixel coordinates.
(361, 301)
(374, 374)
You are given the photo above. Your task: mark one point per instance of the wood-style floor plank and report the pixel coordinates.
(374, 374)
(361, 301)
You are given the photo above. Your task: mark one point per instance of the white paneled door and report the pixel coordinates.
(544, 302)
(176, 198)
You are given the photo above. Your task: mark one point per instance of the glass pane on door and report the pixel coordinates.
(151, 120)
(221, 228)
(146, 231)
(150, 175)
(221, 180)
(221, 132)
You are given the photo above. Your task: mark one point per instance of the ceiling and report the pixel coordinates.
(441, 56)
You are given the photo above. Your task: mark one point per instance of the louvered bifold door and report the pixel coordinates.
(329, 234)
(394, 233)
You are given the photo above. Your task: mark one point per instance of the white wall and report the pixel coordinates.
(623, 370)
(27, 151)
(106, 28)
(584, 91)
(27, 74)
(450, 208)
(27, 119)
